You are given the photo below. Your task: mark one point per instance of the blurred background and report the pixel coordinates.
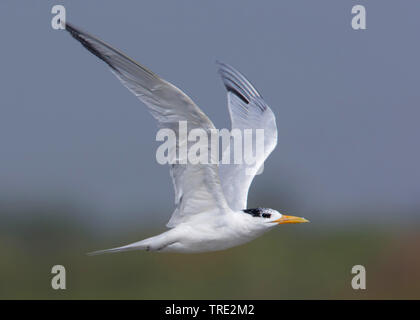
(77, 150)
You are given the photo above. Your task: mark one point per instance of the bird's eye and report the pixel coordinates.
(266, 215)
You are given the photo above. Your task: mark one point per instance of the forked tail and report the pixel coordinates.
(155, 243)
(140, 245)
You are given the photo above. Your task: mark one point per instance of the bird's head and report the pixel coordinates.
(267, 218)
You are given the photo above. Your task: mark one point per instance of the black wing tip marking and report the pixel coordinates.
(237, 83)
(236, 93)
(74, 32)
(81, 37)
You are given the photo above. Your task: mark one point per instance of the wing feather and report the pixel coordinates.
(197, 186)
(247, 110)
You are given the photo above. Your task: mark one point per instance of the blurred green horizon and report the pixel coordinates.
(292, 262)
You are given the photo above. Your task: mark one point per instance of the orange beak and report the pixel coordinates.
(290, 219)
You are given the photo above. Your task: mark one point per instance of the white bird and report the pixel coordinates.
(210, 200)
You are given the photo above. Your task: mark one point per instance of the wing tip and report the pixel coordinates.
(220, 64)
(236, 82)
(70, 28)
(87, 41)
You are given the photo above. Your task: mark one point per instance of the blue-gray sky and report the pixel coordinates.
(347, 102)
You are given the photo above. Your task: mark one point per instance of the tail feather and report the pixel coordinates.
(155, 243)
(141, 245)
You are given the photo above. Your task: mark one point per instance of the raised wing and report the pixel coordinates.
(197, 187)
(247, 110)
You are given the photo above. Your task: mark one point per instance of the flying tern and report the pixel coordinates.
(210, 199)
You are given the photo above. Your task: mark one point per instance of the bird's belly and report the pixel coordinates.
(195, 242)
